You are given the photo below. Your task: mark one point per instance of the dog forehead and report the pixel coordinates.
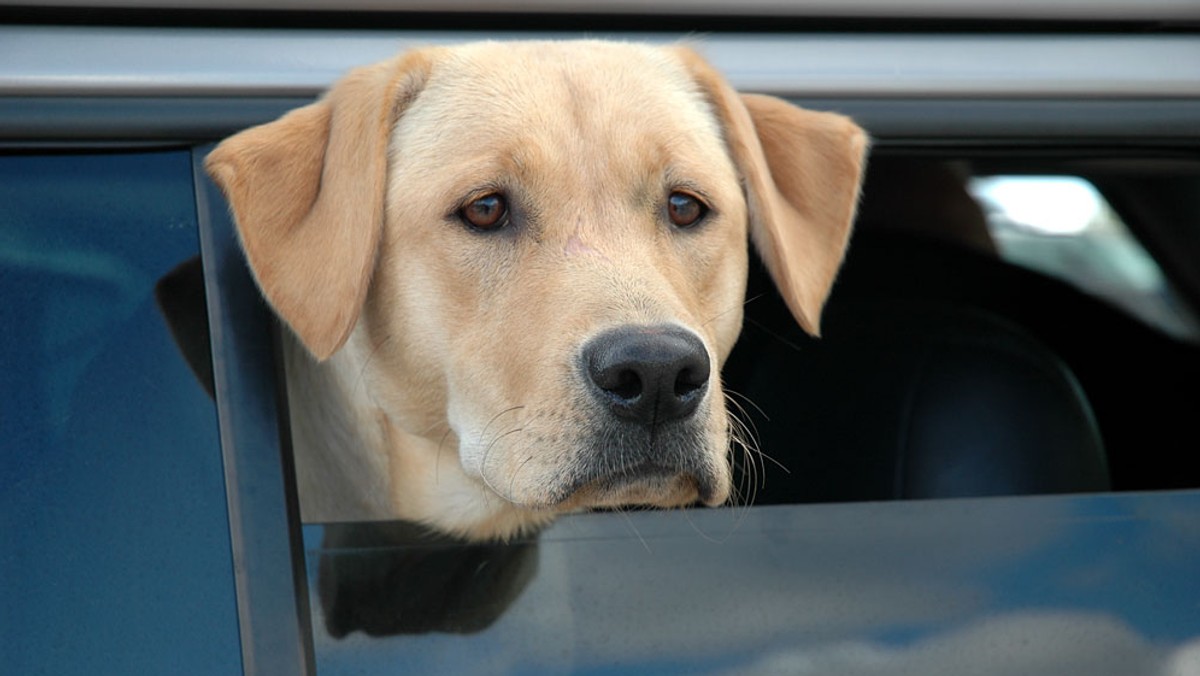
(487, 93)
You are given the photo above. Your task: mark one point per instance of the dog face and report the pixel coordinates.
(537, 254)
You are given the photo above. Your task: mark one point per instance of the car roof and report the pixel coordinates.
(1085, 10)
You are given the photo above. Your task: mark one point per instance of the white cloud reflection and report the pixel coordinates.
(1018, 644)
(940, 587)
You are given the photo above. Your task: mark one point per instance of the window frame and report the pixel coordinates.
(264, 512)
(266, 532)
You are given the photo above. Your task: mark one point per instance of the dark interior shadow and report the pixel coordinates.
(390, 578)
(181, 300)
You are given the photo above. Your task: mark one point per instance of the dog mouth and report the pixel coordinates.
(621, 466)
(646, 483)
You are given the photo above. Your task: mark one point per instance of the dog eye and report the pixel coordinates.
(685, 210)
(489, 212)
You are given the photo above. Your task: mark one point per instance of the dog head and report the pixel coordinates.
(542, 249)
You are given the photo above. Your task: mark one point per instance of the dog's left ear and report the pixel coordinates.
(802, 171)
(307, 192)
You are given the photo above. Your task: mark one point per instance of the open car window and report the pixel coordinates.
(866, 586)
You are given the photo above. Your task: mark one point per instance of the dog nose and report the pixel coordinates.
(648, 374)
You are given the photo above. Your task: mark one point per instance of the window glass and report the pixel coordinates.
(112, 503)
(1081, 584)
(1062, 226)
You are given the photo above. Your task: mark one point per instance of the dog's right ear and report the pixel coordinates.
(307, 192)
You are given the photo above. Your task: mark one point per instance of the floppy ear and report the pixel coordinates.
(307, 192)
(801, 171)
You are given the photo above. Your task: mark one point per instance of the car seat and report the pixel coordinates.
(908, 399)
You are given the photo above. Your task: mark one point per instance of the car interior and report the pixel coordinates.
(944, 370)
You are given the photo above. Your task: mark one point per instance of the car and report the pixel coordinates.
(983, 466)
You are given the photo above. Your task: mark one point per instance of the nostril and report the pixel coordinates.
(627, 385)
(688, 381)
(619, 379)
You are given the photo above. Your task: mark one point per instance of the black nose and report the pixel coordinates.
(648, 374)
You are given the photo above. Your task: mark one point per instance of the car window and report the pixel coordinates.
(924, 587)
(112, 500)
(1062, 226)
(1009, 585)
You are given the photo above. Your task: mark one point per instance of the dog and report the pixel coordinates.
(511, 273)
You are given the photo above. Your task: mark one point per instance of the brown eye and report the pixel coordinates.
(685, 210)
(489, 212)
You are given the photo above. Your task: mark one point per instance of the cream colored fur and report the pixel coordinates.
(433, 370)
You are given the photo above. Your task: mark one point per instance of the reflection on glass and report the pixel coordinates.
(401, 578)
(1062, 226)
(115, 550)
(1094, 585)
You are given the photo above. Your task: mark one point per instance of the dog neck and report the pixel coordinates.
(341, 471)
(355, 463)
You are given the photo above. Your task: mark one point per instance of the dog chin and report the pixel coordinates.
(657, 487)
(647, 484)
(477, 512)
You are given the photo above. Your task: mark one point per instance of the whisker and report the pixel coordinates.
(632, 527)
(687, 515)
(753, 431)
(483, 468)
(753, 476)
(745, 421)
(756, 477)
(437, 458)
(731, 309)
(750, 401)
(360, 381)
(487, 449)
(513, 478)
(483, 432)
(744, 446)
(767, 456)
(759, 325)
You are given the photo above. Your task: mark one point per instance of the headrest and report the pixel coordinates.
(911, 399)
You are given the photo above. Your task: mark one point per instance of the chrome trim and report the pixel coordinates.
(72, 61)
(50, 121)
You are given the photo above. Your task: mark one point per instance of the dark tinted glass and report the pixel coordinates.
(1099, 585)
(116, 551)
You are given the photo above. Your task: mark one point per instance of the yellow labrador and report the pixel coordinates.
(512, 272)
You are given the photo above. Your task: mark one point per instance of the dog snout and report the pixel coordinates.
(648, 374)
